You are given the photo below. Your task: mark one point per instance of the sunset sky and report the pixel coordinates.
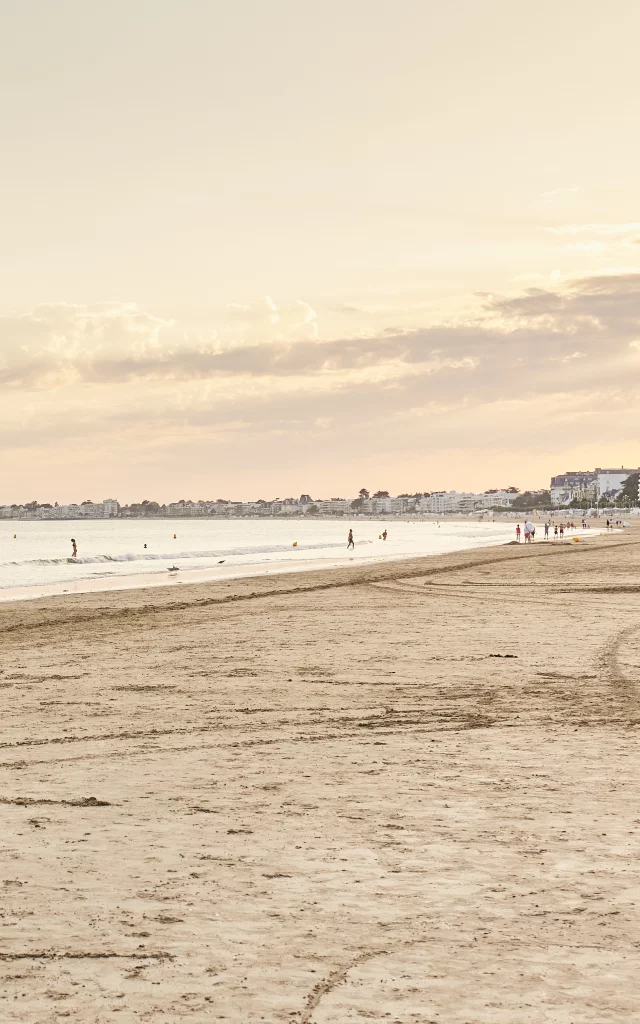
(265, 247)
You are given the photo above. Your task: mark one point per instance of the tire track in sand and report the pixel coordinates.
(339, 975)
(317, 580)
(335, 978)
(607, 661)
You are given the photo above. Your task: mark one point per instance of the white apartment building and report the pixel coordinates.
(611, 481)
(441, 501)
(250, 508)
(290, 506)
(500, 498)
(466, 501)
(92, 510)
(399, 505)
(332, 506)
(59, 512)
(186, 508)
(378, 506)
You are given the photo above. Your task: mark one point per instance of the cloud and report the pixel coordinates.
(65, 345)
(597, 237)
(595, 246)
(558, 358)
(264, 317)
(54, 344)
(61, 346)
(261, 311)
(559, 193)
(607, 230)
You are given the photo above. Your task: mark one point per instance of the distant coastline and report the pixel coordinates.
(572, 495)
(489, 515)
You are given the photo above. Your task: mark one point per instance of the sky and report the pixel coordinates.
(273, 247)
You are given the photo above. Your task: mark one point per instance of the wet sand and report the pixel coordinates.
(401, 792)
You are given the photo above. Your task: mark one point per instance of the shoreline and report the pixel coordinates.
(254, 570)
(116, 601)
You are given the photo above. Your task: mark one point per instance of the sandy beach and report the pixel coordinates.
(400, 792)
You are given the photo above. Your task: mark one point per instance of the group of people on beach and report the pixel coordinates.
(558, 529)
(530, 531)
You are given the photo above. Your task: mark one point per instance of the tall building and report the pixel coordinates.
(588, 485)
(575, 485)
(611, 481)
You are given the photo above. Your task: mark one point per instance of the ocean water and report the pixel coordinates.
(112, 553)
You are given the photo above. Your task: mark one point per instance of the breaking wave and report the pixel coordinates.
(150, 556)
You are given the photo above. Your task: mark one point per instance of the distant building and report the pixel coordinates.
(611, 481)
(333, 506)
(442, 501)
(499, 499)
(186, 508)
(577, 485)
(588, 485)
(97, 510)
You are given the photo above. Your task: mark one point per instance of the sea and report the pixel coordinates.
(35, 557)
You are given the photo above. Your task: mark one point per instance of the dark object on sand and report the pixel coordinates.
(221, 561)
(173, 568)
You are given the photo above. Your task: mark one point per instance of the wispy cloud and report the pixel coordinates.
(605, 230)
(559, 193)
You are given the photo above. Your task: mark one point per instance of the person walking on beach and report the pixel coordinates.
(546, 531)
(555, 531)
(74, 547)
(384, 534)
(528, 529)
(350, 541)
(561, 531)
(518, 533)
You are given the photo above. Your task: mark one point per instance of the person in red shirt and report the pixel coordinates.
(518, 533)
